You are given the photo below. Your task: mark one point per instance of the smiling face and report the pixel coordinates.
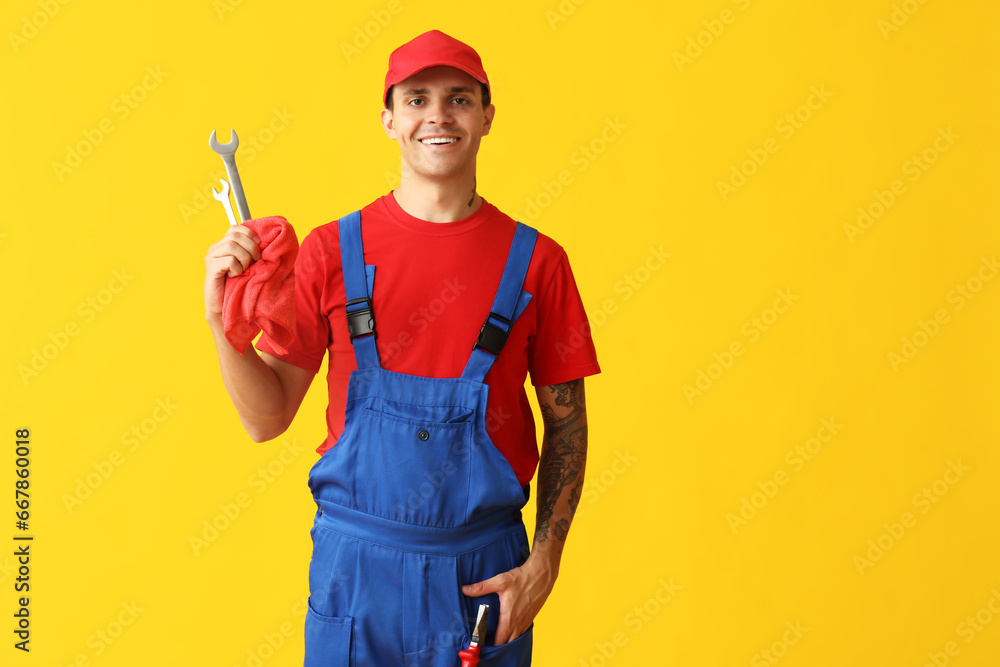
(438, 120)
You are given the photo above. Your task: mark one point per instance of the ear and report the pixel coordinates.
(488, 113)
(387, 123)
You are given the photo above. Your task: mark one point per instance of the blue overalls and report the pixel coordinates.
(414, 500)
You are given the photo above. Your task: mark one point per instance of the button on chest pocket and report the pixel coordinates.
(414, 470)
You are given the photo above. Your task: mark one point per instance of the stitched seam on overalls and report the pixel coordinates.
(417, 422)
(503, 536)
(429, 405)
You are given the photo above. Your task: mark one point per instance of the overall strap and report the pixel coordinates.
(510, 300)
(360, 317)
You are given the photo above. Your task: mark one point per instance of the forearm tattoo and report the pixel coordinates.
(564, 455)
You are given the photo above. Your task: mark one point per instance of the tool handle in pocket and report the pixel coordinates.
(470, 656)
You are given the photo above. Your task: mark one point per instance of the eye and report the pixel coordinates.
(415, 101)
(461, 100)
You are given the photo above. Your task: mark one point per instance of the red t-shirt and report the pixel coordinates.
(434, 286)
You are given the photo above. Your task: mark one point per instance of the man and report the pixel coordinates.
(434, 307)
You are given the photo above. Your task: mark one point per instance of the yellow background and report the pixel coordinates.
(657, 571)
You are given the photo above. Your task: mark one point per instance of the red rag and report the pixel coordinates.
(263, 296)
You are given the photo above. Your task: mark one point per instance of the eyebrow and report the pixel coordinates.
(424, 91)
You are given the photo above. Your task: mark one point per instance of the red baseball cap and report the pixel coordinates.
(432, 49)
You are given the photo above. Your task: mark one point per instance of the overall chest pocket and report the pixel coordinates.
(414, 468)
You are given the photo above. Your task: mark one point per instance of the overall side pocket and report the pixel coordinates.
(328, 640)
(516, 653)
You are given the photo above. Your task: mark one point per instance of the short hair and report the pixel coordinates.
(484, 94)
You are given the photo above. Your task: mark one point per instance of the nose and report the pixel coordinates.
(439, 112)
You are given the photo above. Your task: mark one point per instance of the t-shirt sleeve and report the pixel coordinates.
(562, 348)
(312, 327)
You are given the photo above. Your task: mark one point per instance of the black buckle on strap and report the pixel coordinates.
(491, 337)
(360, 322)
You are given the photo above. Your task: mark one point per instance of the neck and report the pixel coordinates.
(437, 200)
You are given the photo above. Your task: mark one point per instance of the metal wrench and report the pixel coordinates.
(228, 153)
(224, 198)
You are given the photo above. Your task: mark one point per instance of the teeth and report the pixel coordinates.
(439, 140)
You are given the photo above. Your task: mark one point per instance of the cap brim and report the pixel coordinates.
(403, 76)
